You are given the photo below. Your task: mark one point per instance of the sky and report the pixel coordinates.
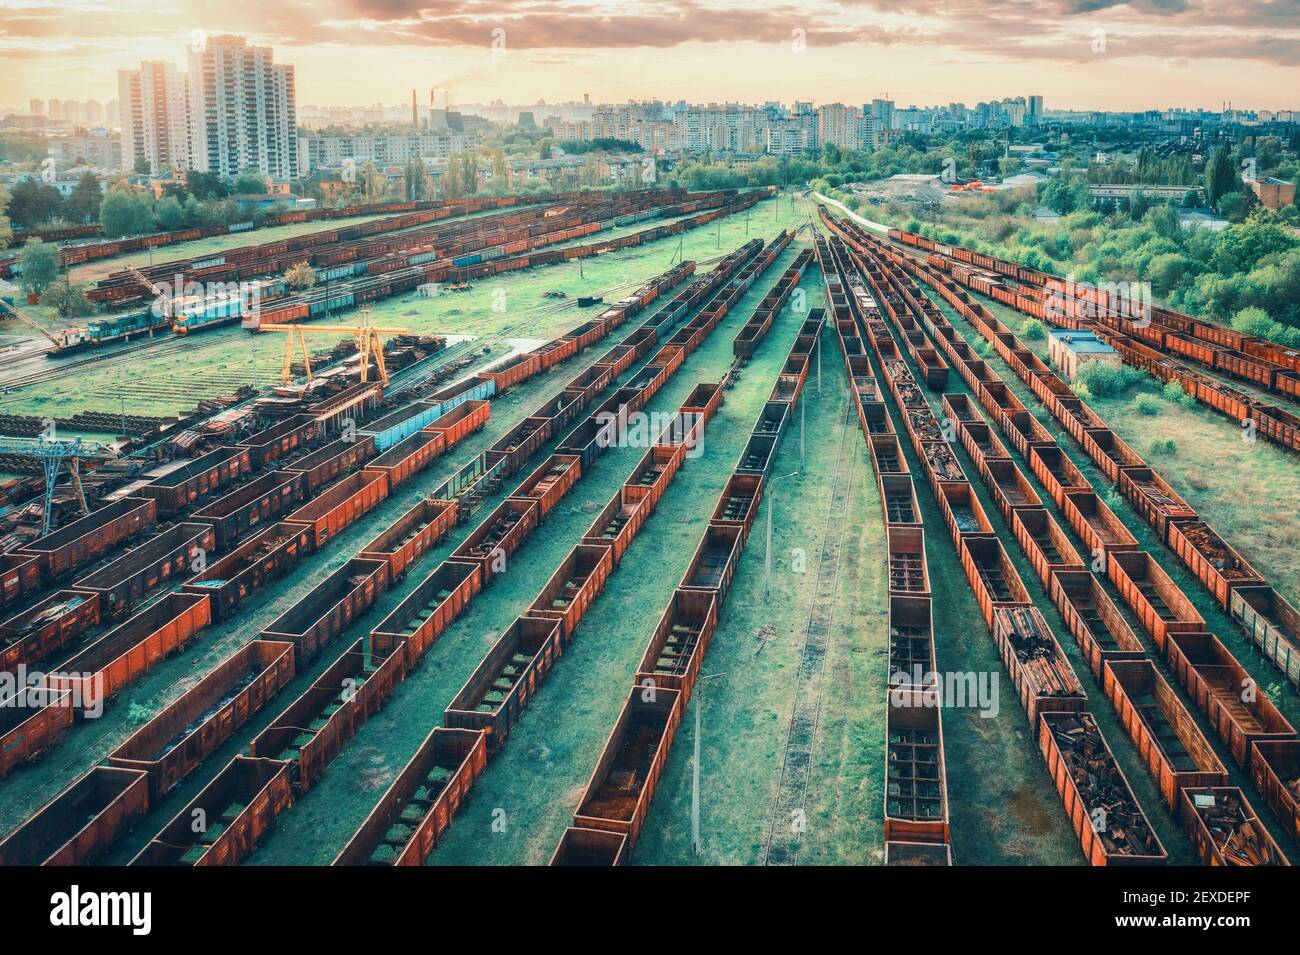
(1078, 54)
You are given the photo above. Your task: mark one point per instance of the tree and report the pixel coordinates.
(125, 211)
(544, 148)
(170, 213)
(1238, 248)
(1167, 271)
(500, 171)
(17, 145)
(1138, 205)
(1233, 207)
(39, 262)
(33, 203)
(1254, 321)
(300, 275)
(250, 182)
(66, 299)
(1164, 220)
(1220, 176)
(141, 166)
(83, 203)
(452, 185)
(5, 230)
(414, 179)
(206, 185)
(1065, 194)
(373, 182)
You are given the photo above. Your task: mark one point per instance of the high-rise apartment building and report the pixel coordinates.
(630, 124)
(155, 117)
(838, 125)
(36, 107)
(242, 110)
(882, 111)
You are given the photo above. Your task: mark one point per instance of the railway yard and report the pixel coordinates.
(671, 529)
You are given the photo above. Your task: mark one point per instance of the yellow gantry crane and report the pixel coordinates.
(369, 343)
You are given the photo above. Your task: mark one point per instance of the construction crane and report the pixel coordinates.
(51, 452)
(369, 343)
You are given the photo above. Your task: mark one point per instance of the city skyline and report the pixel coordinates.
(1111, 57)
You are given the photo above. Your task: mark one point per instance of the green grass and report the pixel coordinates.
(1003, 807)
(1217, 621)
(217, 361)
(1246, 489)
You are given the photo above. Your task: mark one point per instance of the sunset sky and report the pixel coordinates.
(1157, 53)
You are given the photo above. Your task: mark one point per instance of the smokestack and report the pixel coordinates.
(415, 116)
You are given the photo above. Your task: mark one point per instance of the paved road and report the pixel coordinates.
(867, 223)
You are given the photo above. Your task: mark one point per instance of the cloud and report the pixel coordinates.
(1020, 31)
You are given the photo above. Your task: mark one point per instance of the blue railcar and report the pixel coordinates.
(403, 423)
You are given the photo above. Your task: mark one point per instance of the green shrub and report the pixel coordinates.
(1173, 390)
(1164, 446)
(1033, 330)
(1147, 404)
(1107, 381)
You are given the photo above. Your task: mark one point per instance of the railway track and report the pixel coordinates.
(68, 368)
(789, 813)
(175, 344)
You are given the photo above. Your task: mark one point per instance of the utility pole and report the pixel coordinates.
(695, 772)
(802, 463)
(695, 775)
(767, 549)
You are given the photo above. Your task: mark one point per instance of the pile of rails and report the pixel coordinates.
(1177, 754)
(614, 805)
(1157, 340)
